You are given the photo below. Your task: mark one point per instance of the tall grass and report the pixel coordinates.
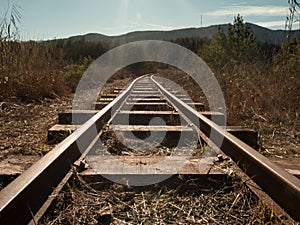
(28, 70)
(252, 92)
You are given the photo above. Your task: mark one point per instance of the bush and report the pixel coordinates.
(74, 72)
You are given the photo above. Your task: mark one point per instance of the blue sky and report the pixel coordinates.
(48, 19)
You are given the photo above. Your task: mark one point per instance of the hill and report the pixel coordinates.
(262, 34)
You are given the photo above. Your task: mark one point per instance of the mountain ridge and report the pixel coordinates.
(262, 34)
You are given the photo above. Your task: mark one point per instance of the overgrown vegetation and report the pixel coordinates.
(261, 83)
(32, 71)
(181, 199)
(256, 78)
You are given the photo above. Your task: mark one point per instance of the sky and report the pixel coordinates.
(49, 19)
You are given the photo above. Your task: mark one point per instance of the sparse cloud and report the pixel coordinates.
(239, 3)
(138, 16)
(159, 26)
(271, 23)
(249, 11)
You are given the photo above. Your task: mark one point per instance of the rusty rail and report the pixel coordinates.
(23, 197)
(283, 187)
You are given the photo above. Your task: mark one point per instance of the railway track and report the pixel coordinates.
(147, 114)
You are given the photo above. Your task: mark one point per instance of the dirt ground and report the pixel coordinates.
(24, 126)
(23, 129)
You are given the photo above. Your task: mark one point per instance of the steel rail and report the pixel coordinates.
(23, 197)
(283, 187)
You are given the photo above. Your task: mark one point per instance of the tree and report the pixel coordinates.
(242, 40)
(288, 58)
(215, 53)
(236, 47)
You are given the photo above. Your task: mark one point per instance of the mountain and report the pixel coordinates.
(262, 34)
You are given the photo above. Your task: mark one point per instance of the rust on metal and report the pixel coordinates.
(282, 186)
(27, 193)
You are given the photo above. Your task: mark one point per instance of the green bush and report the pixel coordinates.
(74, 72)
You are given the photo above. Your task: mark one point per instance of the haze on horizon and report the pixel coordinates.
(60, 19)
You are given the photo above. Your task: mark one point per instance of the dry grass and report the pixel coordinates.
(178, 200)
(121, 145)
(23, 126)
(185, 82)
(30, 71)
(266, 100)
(255, 97)
(259, 98)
